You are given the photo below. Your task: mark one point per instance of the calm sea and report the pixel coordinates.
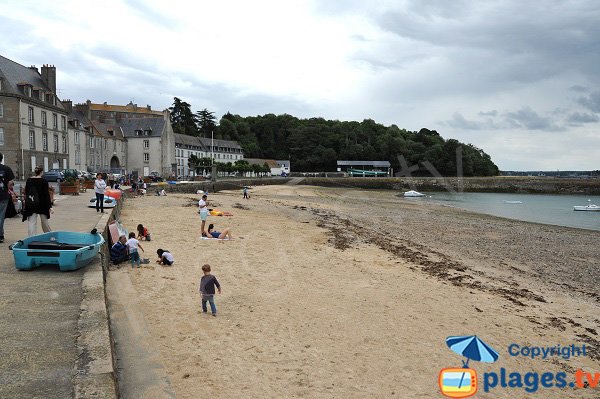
(539, 208)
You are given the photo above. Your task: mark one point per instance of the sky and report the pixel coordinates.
(518, 79)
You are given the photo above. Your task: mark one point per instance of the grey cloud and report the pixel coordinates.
(531, 120)
(459, 122)
(488, 113)
(591, 101)
(579, 89)
(578, 119)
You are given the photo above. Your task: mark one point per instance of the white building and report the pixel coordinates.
(223, 151)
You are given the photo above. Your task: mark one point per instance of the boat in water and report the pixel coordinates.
(588, 207)
(413, 193)
(513, 202)
(66, 249)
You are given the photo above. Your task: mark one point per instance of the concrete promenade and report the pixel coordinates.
(54, 337)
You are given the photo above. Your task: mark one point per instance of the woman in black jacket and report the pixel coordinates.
(37, 202)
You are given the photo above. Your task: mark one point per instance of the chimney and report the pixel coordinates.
(49, 77)
(34, 68)
(68, 104)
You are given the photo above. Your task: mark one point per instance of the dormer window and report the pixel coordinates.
(111, 132)
(138, 132)
(147, 132)
(28, 90)
(1, 82)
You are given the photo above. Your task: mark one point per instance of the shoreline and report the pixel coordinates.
(348, 293)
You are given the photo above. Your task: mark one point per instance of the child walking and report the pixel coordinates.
(133, 245)
(207, 289)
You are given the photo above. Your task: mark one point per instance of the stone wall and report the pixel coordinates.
(234, 184)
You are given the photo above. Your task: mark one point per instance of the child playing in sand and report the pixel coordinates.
(164, 257)
(143, 233)
(133, 245)
(207, 289)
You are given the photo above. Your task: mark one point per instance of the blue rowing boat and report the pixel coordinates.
(66, 249)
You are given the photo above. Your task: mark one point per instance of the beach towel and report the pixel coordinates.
(216, 239)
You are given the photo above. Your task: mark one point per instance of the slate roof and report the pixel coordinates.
(14, 73)
(103, 128)
(258, 161)
(379, 164)
(184, 139)
(220, 143)
(130, 125)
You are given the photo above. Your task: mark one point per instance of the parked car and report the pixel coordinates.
(85, 175)
(54, 175)
(74, 173)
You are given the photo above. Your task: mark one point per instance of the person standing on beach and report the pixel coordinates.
(6, 175)
(133, 244)
(208, 282)
(37, 202)
(203, 205)
(99, 187)
(245, 191)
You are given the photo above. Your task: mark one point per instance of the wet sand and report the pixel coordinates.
(348, 293)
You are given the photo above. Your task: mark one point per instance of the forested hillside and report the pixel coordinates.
(316, 144)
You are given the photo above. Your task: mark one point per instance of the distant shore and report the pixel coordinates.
(496, 184)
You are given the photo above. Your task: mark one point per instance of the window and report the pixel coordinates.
(63, 123)
(146, 157)
(32, 139)
(64, 144)
(28, 91)
(77, 157)
(33, 163)
(146, 144)
(1, 110)
(55, 121)
(105, 143)
(45, 141)
(76, 138)
(55, 143)
(1, 136)
(44, 120)
(30, 114)
(41, 95)
(91, 142)
(138, 132)
(147, 132)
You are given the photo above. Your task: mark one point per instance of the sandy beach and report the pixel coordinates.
(342, 293)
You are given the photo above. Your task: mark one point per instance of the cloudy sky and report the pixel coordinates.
(519, 79)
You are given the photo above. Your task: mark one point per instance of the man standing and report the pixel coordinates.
(6, 175)
(99, 186)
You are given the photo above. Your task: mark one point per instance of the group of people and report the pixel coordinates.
(127, 248)
(36, 200)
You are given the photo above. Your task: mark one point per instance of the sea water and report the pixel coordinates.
(539, 208)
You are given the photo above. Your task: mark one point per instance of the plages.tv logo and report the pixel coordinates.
(461, 382)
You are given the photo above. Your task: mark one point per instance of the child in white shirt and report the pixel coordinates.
(133, 244)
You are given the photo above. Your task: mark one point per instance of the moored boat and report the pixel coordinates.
(109, 202)
(413, 193)
(588, 207)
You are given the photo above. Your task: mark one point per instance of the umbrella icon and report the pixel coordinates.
(473, 348)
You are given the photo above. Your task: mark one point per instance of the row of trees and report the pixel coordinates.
(202, 166)
(315, 144)
(184, 121)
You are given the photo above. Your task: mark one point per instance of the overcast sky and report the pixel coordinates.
(519, 79)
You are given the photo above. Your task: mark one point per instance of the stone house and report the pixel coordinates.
(33, 121)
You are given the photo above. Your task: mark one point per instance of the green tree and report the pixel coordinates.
(206, 122)
(183, 121)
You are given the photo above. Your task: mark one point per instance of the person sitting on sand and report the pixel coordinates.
(219, 234)
(143, 233)
(118, 252)
(164, 257)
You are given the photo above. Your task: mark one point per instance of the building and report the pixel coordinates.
(278, 167)
(92, 149)
(33, 121)
(219, 150)
(150, 141)
(365, 168)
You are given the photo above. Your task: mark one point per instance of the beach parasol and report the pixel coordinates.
(473, 348)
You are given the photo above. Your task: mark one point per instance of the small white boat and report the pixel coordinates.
(109, 202)
(513, 202)
(413, 193)
(588, 207)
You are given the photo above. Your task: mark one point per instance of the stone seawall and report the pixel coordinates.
(220, 185)
(531, 185)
